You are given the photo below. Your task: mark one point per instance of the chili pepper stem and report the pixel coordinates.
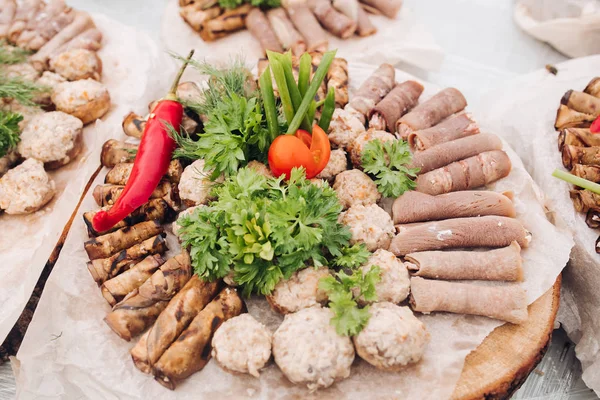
(172, 95)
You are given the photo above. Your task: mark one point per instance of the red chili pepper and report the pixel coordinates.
(595, 128)
(151, 161)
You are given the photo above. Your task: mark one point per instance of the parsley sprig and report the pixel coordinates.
(387, 162)
(9, 131)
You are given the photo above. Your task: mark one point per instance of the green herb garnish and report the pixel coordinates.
(10, 55)
(9, 131)
(387, 162)
(20, 90)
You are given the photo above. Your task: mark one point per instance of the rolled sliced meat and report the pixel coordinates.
(111, 243)
(580, 155)
(364, 25)
(467, 174)
(445, 103)
(487, 231)
(26, 10)
(285, 31)
(568, 118)
(259, 26)
(452, 128)
(506, 303)
(103, 269)
(228, 22)
(192, 349)
(115, 289)
(418, 207)
(50, 21)
(119, 174)
(581, 102)
(332, 20)
(492, 265)
(389, 8)
(584, 200)
(180, 311)
(308, 26)
(115, 152)
(337, 78)
(375, 88)
(90, 39)
(593, 88)
(455, 150)
(396, 103)
(141, 307)
(7, 13)
(589, 172)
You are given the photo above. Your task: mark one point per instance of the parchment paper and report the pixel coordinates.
(401, 39)
(26, 241)
(523, 112)
(69, 352)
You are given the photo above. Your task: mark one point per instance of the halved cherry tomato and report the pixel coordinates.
(300, 150)
(595, 128)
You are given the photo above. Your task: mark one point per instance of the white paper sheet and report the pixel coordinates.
(69, 352)
(523, 112)
(401, 39)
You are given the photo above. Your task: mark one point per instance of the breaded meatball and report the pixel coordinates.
(24, 71)
(309, 351)
(195, 184)
(76, 64)
(85, 99)
(344, 127)
(395, 281)
(337, 163)
(25, 188)
(49, 80)
(355, 187)
(393, 337)
(175, 226)
(53, 138)
(260, 168)
(370, 225)
(355, 148)
(300, 291)
(242, 344)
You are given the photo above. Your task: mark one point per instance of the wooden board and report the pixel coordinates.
(498, 367)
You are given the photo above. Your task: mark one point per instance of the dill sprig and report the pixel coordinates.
(20, 90)
(9, 131)
(12, 55)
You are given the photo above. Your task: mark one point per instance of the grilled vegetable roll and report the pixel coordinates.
(7, 13)
(389, 8)
(580, 155)
(584, 200)
(287, 35)
(141, 307)
(506, 303)
(589, 172)
(191, 351)
(139, 354)
(487, 231)
(593, 88)
(334, 21)
(133, 125)
(196, 15)
(337, 78)
(308, 26)
(182, 309)
(459, 149)
(115, 152)
(417, 207)
(431, 112)
(375, 88)
(395, 104)
(364, 25)
(108, 194)
(452, 128)
(577, 137)
(258, 25)
(226, 23)
(107, 245)
(592, 219)
(470, 173)
(581, 102)
(502, 264)
(119, 174)
(115, 289)
(567, 118)
(103, 269)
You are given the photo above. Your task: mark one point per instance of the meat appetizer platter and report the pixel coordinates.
(61, 70)
(404, 239)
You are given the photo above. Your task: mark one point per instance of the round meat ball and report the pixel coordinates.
(309, 351)
(359, 142)
(242, 344)
(393, 337)
(85, 99)
(370, 225)
(26, 188)
(394, 285)
(298, 292)
(337, 163)
(195, 184)
(54, 138)
(344, 127)
(175, 226)
(260, 168)
(76, 64)
(354, 187)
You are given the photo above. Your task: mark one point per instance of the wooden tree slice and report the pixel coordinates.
(498, 367)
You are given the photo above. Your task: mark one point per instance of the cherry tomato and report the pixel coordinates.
(287, 152)
(595, 128)
(304, 136)
(320, 148)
